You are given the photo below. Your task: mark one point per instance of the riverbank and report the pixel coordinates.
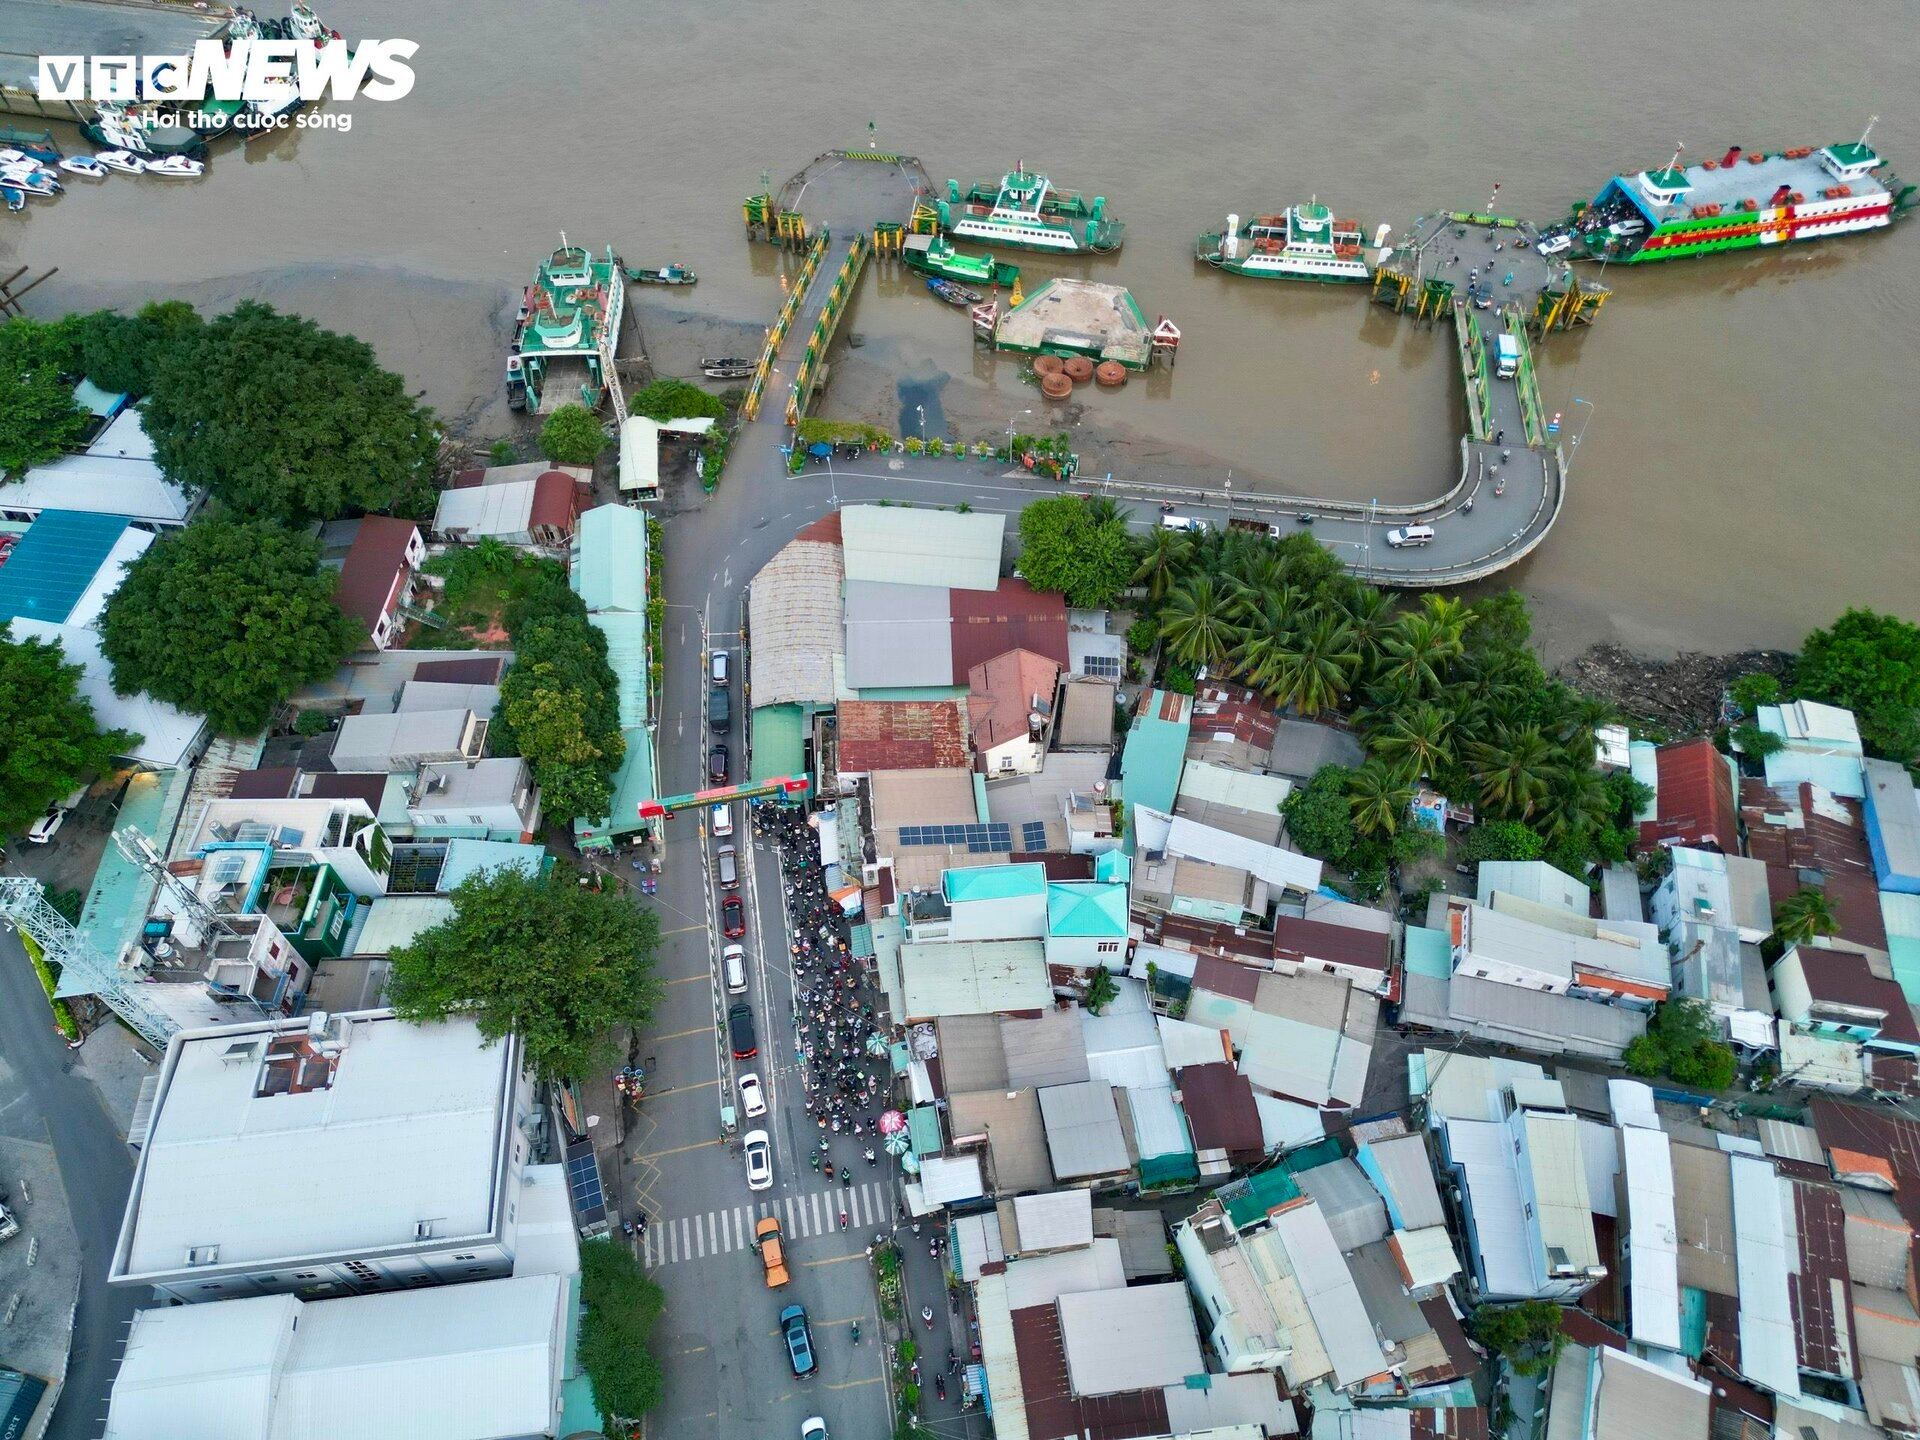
(1677, 697)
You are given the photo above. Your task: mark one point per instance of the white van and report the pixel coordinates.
(718, 667)
(721, 820)
(1411, 535)
(1555, 245)
(1184, 522)
(1626, 229)
(1506, 351)
(734, 960)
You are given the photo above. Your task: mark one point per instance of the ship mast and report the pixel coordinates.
(1872, 120)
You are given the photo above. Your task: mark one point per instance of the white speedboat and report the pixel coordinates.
(125, 161)
(10, 155)
(84, 165)
(30, 179)
(179, 167)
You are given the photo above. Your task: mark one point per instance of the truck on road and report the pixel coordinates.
(773, 1254)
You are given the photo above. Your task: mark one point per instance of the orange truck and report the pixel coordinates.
(773, 1254)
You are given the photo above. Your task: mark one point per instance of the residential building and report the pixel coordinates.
(904, 545)
(404, 741)
(899, 638)
(376, 577)
(370, 1154)
(1361, 955)
(989, 902)
(1890, 808)
(1203, 873)
(472, 1362)
(1154, 755)
(1242, 802)
(1093, 651)
(1834, 994)
(1085, 1143)
(1086, 926)
(1534, 881)
(1004, 977)
(1724, 891)
(539, 510)
(484, 799)
(1607, 1393)
(1307, 1038)
(1693, 803)
(1819, 745)
(115, 475)
(896, 735)
(1010, 711)
(65, 567)
(1811, 838)
(1087, 711)
(1514, 1015)
(609, 574)
(1538, 947)
(1223, 1117)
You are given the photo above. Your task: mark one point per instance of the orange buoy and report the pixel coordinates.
(1045, 365)
(1110, 373)
(1079, 369)
(1055, 386)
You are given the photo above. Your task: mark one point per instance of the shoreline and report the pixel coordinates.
(448, 337)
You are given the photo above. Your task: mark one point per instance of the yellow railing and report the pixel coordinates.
(776, 337)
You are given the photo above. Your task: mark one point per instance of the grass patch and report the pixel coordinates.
(481, 581)
(63, 1020)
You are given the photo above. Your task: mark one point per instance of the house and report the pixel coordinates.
(1203, 873)
(1833, 993)
(990, 902)
(1086, 926)
(902, 545)
(898, 735)
(66, 566)
(1534, 881)
(374, 1153)
(1693, 802)
(1093, 651)
(1155, 753)
(1085, 1143)
(1890, 808)
(1242, 802)
(454, 1363)
(1222, 1115)
(1608, 1393)
(1086, 717)
(1361, 955)
(1004, 977)
(1307, 1038)
(167, 738)
(1707, 887)
(1538, 947)
(541, 510)
(115, 475)
(1812, 838)
(1009, 615)
(1010, 711)
(486, 799)
(1528, 1019)
(403, 741)
(376, 578)
(1819, 745)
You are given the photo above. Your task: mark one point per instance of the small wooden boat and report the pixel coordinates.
(84, 165)
(179, 167)
(730, 367)
(951, 293)
(662, 275)
(125, 161)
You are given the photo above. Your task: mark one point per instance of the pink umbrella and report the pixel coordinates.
(892, 1122)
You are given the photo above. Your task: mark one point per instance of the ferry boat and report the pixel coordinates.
(1026, 212)
(567, 331)
(931, 255)
(1734, 202)
(1304, 243)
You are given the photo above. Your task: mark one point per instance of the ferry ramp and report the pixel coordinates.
(32, 28)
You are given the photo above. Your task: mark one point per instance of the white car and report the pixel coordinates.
(813, 1428)
(1555, 245)
(759, 1153)
(752, 1099)
(43, 829)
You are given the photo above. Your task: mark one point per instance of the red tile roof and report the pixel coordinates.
(1695, 804)
(1052, 1407)
(1820, 1221)
(1233, 709)
(1014, 616)
(901, 735)
(1790, 832)
(1315, 942)
(375, 562)
(1220, 1109)
(1001, 692)
(556, 501)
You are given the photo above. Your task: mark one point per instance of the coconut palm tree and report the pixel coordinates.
(1101, 510)
(1313, 673)
(1450, 614)
(1370, 614)
(1197, 623)
(1417, 740)
(1162, 564)
(1416, 652)
(1802, 916)
(1514, 771)
(1576, 803)
(1379, 799)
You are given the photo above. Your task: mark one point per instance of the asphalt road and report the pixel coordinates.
(41, 1099)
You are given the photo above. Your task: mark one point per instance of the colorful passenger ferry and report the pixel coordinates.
(1304, 243)
(931, 255)
(1741, 199)
(1025, 211)
(567, 331)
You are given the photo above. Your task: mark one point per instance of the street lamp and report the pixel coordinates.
(1010, 424)
(1591, 407)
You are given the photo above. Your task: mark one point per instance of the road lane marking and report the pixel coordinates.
(683, 1034)
(682, 930)
(855, 1384)
(677, 1150)
(681, 1090)
(835, 1260)
(689, 979)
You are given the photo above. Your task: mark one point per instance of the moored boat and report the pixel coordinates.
(1304, 242)
(951, 293)
(86, 165)
(1736, 201)
(931, 255)
(125, 161)
(661, 275)
(30, 179)
(1025, 211)
(13, 198)
(728, 367)
(178, 167)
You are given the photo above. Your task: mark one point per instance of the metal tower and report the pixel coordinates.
(83, 969)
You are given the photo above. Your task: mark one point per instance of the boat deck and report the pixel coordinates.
(1081, 317)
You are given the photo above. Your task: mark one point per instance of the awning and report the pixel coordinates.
(639, 455)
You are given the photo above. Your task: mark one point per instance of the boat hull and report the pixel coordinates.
(1054, 242)
(1788, 225)
(1283, 267)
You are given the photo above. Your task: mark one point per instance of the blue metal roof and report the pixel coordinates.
(55, 561)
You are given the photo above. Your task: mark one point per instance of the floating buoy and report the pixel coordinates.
(1045, 365)
(1079, 369)
(1055, 386)
(1110, 373)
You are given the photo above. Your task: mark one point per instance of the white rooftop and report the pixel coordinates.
(1137, 1338)
(167, 736)
(116, 476)
(1180, 838)
(1055, 1220)
(409, 1129)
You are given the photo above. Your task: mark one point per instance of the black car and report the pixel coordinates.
(717, 765)
(740, 1027)
(719, 710)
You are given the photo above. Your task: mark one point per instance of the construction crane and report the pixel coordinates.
(83, 969)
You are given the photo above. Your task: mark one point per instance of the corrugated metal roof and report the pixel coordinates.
(985, 977)
(896, 635)
(1428, 952)
(1403, 1174)
(1016, 1138)
(1652, 1238)
(1135, 1338)
(168, 735)
(1155, 754)
(907, 545)
(55, 562)
(1056, 1220)
(1159, 1129)
(1332, 1298)
(976, 1243)
(798, 630)
(1533, 880)
(1894, 817)
(1767, 1351)
(1241, 789)
(1048, 1050)
(1788, 1141)
(1353, 1209)
(1187, 840)
(947, 1179)
(900, 735)
(1084, 1138)
(610, 559)
(1043, 1279)
(395, 920)
(1497, 1241)
(1559, 1175)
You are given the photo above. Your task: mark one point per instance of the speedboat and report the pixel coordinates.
(12, 155)
(31, 179)
(14, 199)
(180, 167)
(84, 165)
(125, 161)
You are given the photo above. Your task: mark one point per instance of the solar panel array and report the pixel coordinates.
(1033, 834)
(583, 1180)
(979, 839)
(1102, 667)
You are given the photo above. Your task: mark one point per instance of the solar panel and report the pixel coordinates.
(1101, 667)
(1033, 835)
(583, 1183)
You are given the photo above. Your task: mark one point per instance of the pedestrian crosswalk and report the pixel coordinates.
(719, 1232)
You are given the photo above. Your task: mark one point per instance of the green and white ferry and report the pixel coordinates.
(931, 255)
(1025, 211)
(1304, 243)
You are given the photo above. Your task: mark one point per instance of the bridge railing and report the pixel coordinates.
(777, 335)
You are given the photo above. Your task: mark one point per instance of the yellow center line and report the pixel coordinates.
(844, 1320)
(696, 1350)
(855, 1384)
(681, 1089)
(683, 930)
(677, 1150)
(689, 979)
(836, 1260)
(683, 1034)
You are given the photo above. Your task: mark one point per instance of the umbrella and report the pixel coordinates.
(898, 1144)
(819, 450)
(877, 1044)
(892, 1122)
(910, 1164)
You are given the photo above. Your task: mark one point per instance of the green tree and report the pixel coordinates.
(1514, 771)
(1197, 623)
(621, 1307)
(1378, 799)
(39, 420)
(280, 419)
(1065, 545)
(1416, 651)
(1102, 990)
(1682, 1041)
(1803, 916)
(227, 619)
(560, 964)
(120, 352)
(1162, 562)
(1311, 673)
(1750, 692)
(675, 400)
(1869, 663)
(1756, 743)
(1319, 819)
(573, 435)
(1528, 1336)
(49, 741)
(1417, 741)
(1502, 840)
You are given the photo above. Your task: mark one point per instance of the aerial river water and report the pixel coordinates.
(1748, 463)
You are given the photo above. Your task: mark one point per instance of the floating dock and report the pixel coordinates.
(1078, 317)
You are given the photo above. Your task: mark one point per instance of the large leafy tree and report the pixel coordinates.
(573, 435)
(560, 964)
(1319, 817)
(1869, 663)
(280, 419)
(1080, 550)
(227, 619)
(1528, 1336)
(120, 352)
(39, 420)
(621, 1305)
(559, 703)
(1681, 1041)
(49, 741)
(674, 400)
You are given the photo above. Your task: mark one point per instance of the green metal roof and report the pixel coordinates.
(95, 401)
(923, 1129)
(1086, 908)
(1428, 952)
(1249, 1200)
(994, 882)
(54, 563)
(632, 783)
(1853, 152)
(626, 633)
(1155, 753)
(610, 559)
(1114, 865)
(779, 741)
